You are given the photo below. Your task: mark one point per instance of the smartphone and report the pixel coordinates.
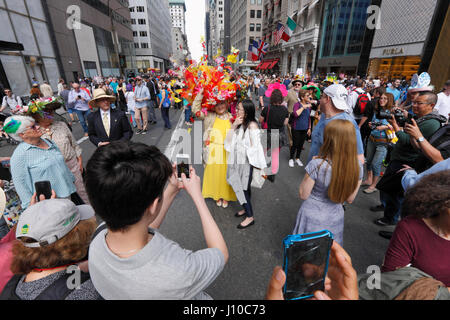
(183, 162)
(45, 188)
(306, 258)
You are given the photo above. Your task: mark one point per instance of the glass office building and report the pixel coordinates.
(342, 35)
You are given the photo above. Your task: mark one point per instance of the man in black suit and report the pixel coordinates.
(106, 125)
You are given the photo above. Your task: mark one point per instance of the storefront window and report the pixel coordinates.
(397, 67)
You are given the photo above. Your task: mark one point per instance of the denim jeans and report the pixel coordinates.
(82, 116)
(248, 194)
(376, 153)
(187, 114)
(165, 116)
(133, 120)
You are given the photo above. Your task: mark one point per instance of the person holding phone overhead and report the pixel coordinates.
(332, 178)
(36, 159)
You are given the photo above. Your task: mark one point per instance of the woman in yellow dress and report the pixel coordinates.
(215, 126)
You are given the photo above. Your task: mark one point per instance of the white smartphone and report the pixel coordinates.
(183, 162)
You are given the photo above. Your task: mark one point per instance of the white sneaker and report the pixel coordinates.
(300, 164)
(291, 163)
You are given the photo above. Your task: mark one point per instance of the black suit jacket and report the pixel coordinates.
(120, 128)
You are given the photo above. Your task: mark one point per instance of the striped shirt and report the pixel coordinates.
(30, 164)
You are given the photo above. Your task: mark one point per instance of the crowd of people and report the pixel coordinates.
(391, 137)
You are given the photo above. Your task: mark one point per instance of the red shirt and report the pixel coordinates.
(413, 242)
(6, 258)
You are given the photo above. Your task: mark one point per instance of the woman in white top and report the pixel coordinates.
(245, 152)
(131, 103)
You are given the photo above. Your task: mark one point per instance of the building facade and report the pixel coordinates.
(178, 14)
(246, 26)
(398, 47)
(274, 11)
(300, 51)
(152, 32)
(343, 27)
(216, 10)
(180, 47)
(25, 24)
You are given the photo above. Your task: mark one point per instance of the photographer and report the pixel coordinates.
(404, 153)
(377, 146)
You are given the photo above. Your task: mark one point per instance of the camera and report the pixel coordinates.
(398, 115)
(374, 125)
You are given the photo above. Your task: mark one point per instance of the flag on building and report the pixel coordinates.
(279, 33)
(262, 49)
(253, 51)
(289, 29)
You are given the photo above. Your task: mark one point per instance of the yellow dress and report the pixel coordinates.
(215, 183)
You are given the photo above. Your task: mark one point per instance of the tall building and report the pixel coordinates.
(178, 14)
(246, 26)
(152, 32)
(65, 39)
(344, 24)
(216, 9)
(274, 11)
(179, 38)
(300, 51)
(404, 45)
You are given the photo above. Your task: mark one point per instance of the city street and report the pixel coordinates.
(255, 251)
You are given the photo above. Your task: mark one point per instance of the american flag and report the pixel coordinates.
(279, 33)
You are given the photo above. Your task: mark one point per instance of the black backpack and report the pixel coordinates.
(441, 141)
(58, 290)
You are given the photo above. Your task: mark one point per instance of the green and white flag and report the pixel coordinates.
(289, 29)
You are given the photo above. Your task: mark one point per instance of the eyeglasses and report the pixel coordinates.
(33, 127)
(419, 103)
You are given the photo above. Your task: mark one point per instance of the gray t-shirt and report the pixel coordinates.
(262, 93)
(162, 270)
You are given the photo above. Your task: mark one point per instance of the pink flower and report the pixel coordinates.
(276, 86)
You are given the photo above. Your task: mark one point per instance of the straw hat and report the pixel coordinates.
(98, 95)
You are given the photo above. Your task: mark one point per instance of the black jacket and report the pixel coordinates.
(120, 128)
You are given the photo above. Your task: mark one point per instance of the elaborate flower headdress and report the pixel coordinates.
(275, 86)
(41, 106)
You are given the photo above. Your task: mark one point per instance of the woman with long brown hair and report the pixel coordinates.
(332, 178)
(377, 146)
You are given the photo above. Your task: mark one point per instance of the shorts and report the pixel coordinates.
(70, 111)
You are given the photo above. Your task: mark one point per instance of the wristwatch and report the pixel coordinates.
(421, 139)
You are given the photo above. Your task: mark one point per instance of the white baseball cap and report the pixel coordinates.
(48, 221)
(338, 95)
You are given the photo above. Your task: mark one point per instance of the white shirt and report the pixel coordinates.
(102, 114)
(443, 105)
(353, 98)
(131, 103)
(11, 102)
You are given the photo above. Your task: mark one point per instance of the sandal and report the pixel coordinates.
(219, 203)
(225, 204)
(369, 191)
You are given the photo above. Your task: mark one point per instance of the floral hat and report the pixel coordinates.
(42, 106)
(276, 86)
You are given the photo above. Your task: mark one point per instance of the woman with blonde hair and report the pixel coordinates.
(332, 178)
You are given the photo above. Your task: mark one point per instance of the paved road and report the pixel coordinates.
(254, 252)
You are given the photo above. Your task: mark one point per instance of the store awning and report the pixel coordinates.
(272, 64)
(10, 46)
(266, 64)
(259, 65)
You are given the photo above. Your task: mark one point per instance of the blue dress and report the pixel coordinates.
(318, 212)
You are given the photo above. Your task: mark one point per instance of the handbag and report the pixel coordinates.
(258, 178)
(265, 124)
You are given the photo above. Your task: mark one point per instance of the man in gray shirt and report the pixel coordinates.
(264, 101)
(130, 259)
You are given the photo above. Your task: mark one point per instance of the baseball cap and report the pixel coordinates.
(50, 220)
(338, 95)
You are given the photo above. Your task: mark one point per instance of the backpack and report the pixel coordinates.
(58, 290)
(441, 141)
(361, 104)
